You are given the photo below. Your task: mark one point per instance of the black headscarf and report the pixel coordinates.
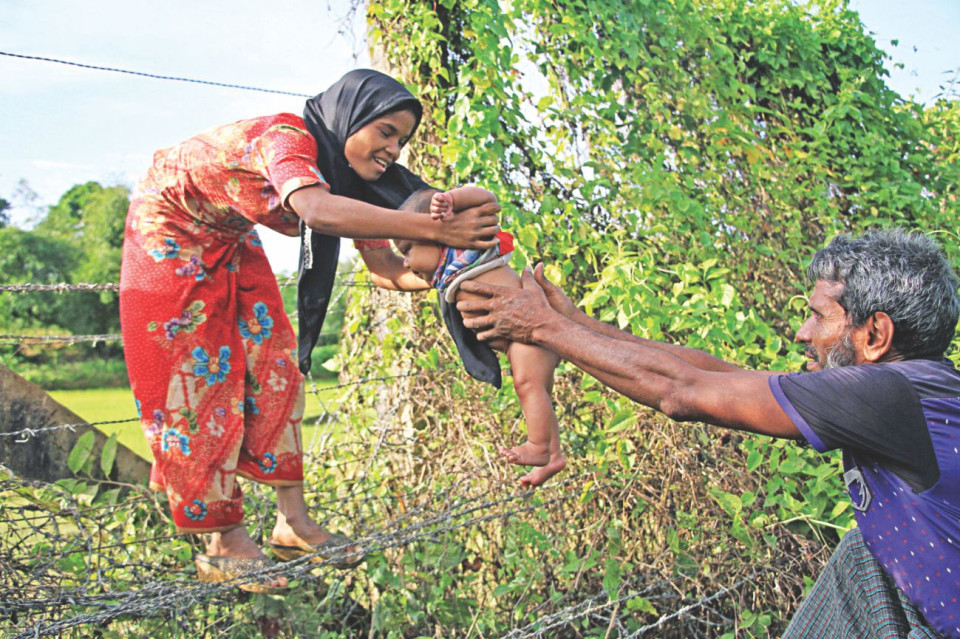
(355, 100)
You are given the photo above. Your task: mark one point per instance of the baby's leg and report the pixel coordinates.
(533, 380)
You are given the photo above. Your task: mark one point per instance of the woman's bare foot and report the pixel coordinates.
(236, 542)
(537, 476)
(295, 527)
(527, 454)
(298, 532)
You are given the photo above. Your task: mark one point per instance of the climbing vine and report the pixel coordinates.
(674, 164)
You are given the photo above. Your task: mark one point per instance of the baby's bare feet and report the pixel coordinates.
(527, 454)
(537, 476)
(441, 206)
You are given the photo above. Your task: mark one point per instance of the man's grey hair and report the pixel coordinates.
(905, 275)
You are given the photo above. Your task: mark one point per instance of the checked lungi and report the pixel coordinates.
(855, 599)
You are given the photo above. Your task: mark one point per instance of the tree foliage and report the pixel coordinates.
(675, 164)
(4, 212)
(90, 218)
(78, 240)
(27, 257)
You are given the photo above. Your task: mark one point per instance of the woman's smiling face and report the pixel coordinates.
(376, 145)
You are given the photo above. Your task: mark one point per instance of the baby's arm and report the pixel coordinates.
(443, 205)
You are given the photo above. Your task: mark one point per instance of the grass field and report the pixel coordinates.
(110, 404)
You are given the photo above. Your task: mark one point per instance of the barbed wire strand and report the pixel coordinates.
(63, 287)
(723, 592)
(172, 598)
(154, 76)
(26, 433)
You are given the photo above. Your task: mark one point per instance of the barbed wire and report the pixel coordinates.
(59, 287)
(152, 591)
(154, 597)
(71, 339)
(63, 287)
(723, 592)
(25, 434)
(108, 337)
(576, 612)
(153, 75)
(165, 597)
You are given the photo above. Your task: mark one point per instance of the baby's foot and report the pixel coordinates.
(527, 454)
(441, 206)
(539, 475)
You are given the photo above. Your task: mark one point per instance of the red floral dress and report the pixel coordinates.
(210, 352)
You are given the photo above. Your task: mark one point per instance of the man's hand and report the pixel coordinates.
(509, 313)
(555, 295)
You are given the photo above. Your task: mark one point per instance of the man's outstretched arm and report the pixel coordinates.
(683, 383)
(562, 304)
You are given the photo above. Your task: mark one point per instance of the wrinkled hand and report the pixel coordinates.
(509, 313)
(555, 296)
(473, 228)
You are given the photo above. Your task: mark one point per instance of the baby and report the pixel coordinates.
(445, 268)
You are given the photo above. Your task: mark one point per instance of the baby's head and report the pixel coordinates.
(422, 258)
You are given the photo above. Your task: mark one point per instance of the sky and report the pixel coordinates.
(64, 125)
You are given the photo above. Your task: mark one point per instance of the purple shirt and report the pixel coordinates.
(898, 425)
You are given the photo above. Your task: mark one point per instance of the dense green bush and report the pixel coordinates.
(674, 164)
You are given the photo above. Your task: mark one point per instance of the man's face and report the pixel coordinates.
(827, 334)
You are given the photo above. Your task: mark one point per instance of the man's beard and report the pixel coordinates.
(842, 353)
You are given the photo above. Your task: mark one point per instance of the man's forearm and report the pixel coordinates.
(633, 367)
(682, 383)
(659, 378)
(700, 359)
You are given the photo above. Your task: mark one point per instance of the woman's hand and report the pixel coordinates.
(387, 271)
(475, 222)
(473, 228)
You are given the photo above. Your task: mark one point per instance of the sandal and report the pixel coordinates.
(215, 569)
(333, 552)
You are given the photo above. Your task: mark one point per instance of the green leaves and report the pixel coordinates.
(674, 164)
(109, 455)
(80, 458)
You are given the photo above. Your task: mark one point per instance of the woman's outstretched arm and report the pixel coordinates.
(474, 227)
(387, 271)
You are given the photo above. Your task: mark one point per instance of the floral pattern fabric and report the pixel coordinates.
(210, 352)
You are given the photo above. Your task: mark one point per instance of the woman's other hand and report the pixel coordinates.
(474, 228)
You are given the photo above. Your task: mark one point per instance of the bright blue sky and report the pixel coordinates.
(63, 125)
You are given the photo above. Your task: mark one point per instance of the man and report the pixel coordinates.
(883, 311)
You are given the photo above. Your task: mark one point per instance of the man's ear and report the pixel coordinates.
(877, 337)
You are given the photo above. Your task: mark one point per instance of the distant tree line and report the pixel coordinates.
(79, 240)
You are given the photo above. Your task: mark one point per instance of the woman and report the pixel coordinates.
(211, 356)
